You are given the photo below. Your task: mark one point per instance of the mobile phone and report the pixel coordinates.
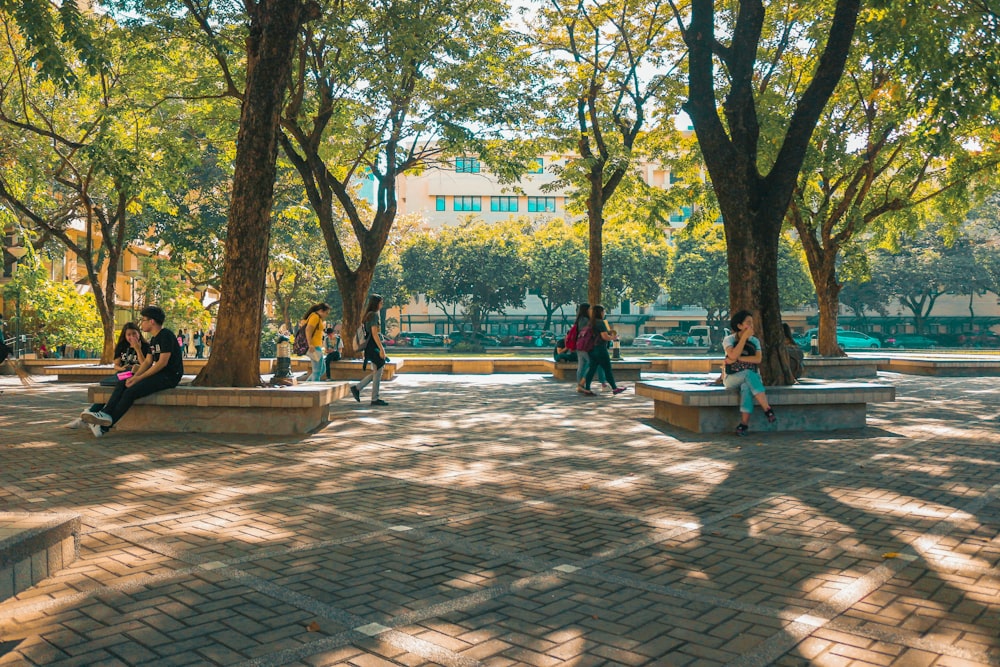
(124, 375)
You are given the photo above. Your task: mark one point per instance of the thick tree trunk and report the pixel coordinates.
(595, 219)
(354, 293)
(823, 270)
(235, 356)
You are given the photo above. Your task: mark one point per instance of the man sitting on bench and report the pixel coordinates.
(161, 369)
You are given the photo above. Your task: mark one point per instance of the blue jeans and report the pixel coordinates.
(318, 360)
(749, 384)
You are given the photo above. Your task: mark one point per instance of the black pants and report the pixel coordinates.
(123, 397)
(330, 358)
(599, 359)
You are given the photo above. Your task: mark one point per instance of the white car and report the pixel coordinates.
(651, 340)
(855, 340)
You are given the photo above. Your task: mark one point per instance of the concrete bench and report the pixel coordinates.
(34, 546)
(477, 365)
(95, 372)
(685, 364)
(625, 370)
(942, 367)
(812, 405)
(261, 410)
(839, 368)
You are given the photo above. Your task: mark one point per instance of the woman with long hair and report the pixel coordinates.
(602, 335)
(743, 356)
(313, 322)
(374, 351)
(130, 351)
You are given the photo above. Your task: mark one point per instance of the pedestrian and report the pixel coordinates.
(161, 369)
(199, 344)
(332, 340)
(313, 323)
(795, 354)
(602, 334)
(581, 323)
(743, 357)
(374, 351)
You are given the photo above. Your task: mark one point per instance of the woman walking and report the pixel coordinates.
(602, 335)
(743, 356)
(313, 322)
(374, 352)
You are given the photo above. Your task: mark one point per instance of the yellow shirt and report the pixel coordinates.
(314, 320)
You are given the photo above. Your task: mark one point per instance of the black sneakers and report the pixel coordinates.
(379, 401)
(769, 413)
(742, 429)
(355, 393)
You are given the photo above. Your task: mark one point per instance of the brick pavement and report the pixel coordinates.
(503, 520)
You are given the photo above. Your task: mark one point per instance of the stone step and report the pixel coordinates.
(34, 546)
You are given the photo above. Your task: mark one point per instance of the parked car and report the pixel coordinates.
(912, 341)
(700, 334)
(855, 340)
(979, 339)
(473, 338)
(534, 338)
(419, 339)
(652, 340)
(804, 339)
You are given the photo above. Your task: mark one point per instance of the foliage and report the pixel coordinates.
(698, 274)
(556, 259)
(636, 259)
(163, 284)
(53, 311)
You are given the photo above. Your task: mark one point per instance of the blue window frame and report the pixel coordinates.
(541, 204)
(468, 203)
(467, 165)
(506, 204)
(439, 203)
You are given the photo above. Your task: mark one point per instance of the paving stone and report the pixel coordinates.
(482, 520)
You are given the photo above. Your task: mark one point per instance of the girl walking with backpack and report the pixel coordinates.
(600, 334)
(312, 323)
(573, 343)
(373, 352)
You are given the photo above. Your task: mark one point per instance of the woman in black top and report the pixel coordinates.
(374, 351)
(599, 358)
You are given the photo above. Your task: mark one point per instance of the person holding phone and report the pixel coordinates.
(743, 356)
(130, 351)
(162, 369)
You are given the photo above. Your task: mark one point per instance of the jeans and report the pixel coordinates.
(123, 397)
(375, 377)
(600, 361)
(749, 384)
(318, 360)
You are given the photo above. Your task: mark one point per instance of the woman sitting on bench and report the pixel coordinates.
(743, 356)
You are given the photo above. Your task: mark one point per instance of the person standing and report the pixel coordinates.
(313, 322)
(374, 351)
(599, 358)
(199, 344)
(161, 369)
(743, 356)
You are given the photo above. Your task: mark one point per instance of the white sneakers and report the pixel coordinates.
(99, 418)
(76, 423)
(96, 430)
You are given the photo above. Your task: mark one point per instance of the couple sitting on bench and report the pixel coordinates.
(162, 368)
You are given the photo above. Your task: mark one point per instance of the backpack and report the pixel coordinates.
(571, 336)
(361, 337)
(585, 339)
(300, 344)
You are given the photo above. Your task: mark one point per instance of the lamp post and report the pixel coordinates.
(18, 252)
(133, 277)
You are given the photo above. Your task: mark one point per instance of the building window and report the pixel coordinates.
(541, 204)
(536, 166)
(467, 165)
(439, 203)
(468, 203)
(503, 204)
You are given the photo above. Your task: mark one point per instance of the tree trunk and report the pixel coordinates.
(595, 219)
(354, 292)
(823, 270)
(235, 360)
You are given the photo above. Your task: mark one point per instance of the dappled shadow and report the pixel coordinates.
(512, 509)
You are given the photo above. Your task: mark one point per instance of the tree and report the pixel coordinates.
(372, 100)
(753, 180)
(556, 258)
(53, 311)
(273, 31)
(698, 274)
(615, 62)
(92, 155)
(637, 258)
(890, 147)
(478, 266)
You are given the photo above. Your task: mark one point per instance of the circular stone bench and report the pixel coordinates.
(250, 410)
(625, 370)
(812, 405)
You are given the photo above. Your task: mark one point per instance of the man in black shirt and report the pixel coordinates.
(161, 369)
